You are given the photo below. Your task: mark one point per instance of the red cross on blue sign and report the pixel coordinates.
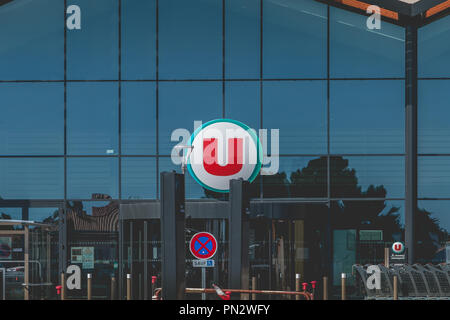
(203, 245)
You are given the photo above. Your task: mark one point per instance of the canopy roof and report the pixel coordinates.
(392, 9)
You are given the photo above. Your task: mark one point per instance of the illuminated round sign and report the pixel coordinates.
(223, 150)
(398, 248)
(203, 245)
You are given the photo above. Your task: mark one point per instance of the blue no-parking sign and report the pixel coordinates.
(203, 245)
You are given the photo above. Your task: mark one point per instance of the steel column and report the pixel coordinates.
(411, 135)
(173, 236)
(238, 235)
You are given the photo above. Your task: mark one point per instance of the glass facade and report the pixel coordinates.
(108, 110)
(433, 152)
(89, 114)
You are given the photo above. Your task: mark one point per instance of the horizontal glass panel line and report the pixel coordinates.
(320, 155)
(434, 154)
(433, 78)
(82, 156)
(168, 156)
(55, 202)
(210, 80)
(214, 200)
(431, 199)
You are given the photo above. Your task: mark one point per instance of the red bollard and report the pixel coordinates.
(313, 285)
(305, 286)
(153, 284)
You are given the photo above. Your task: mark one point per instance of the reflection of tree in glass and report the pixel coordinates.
(5, 216)
(53, 219)
(311, 181)
(430, 237)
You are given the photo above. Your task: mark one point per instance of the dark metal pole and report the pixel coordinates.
(411, 135)
(62, 247)
(238, 235)
(173, 236)
(146, 280)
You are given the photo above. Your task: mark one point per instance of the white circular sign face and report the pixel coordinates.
(223, 150)
(398, 248)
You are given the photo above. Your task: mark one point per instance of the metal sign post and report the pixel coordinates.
(203, 282)
(172, 236)
(2, 284)
(239, 241)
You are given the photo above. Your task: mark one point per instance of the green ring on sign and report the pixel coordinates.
(243, 126)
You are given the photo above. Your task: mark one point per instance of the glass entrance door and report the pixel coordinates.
(281, 248)
(344, 254)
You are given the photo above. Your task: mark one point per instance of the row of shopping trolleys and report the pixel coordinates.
(415, 281)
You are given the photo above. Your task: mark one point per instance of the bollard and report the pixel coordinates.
(253, 287)
(89, 286)
(297, 285)
(395, 287)
(153, 284)
(313, 285)
(386, 257)
(63, 286)
(343, 293)
(128, 286)
(113, 288)
(325, 288)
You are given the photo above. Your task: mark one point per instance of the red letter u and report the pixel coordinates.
(210, 163)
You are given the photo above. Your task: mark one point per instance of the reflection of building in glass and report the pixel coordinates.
(102, 219)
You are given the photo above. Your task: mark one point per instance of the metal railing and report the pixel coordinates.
(305, 294)
(414, 281)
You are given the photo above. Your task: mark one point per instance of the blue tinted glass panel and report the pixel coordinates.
(32, 119)
(294, 39)
(356, 51)
(182, 103)
(45, 215)
(243, 102)
(32, 38)
(138, 118)
(89, 176)
(367, 116)
(138, 39)
(367, 177)
(434, 49)
(139, 178)
(299, 110)
(242, 38)
(190, 39)
(92, 118)
(434, 177)
(193, 189)
(93, 51)
(31, 178)
(433, 115)
(297, 177)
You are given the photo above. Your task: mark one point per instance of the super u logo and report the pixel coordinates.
(222, 150)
